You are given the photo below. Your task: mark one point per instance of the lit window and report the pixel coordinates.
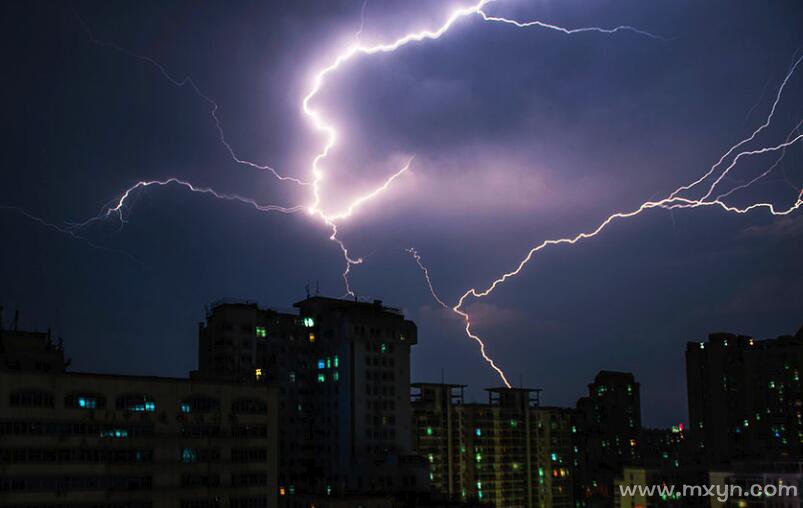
(115, 433)
(87, 402)
(321, 378)
(514, 423)
(554, 456)
(383, 348)
(478, 431)
(185, 407)
(261, 331)
(328, 363)
(429, 431)
(258, 374)
(282, 492)
(292, 377)
(478, 457)
(321, 364)
(431, 458)
(309, 322)
(336, 376)
(189, 456)
(336, 361)
(311, 337)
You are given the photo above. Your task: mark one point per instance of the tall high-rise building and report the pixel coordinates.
(745, 397)
(608, 427)
(510, 452)
(343, 373)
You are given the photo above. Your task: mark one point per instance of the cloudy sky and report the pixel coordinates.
(516, 136)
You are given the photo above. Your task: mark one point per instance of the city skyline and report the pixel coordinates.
(502, 156)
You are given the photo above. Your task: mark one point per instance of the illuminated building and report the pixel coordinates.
(343, 372)
(607, 435)
(745, 398)
(113, 441)
(510, 452)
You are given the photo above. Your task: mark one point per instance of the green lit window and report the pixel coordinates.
(478, 457)
(321, 378)
(383, 348)
(429, 431)
(478, 431)
(328, 363)
(554, 456)
(514, 423)
(309, 322)
(336, 361)
(336, 376)
(261, 331)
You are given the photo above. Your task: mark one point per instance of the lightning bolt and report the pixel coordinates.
(673, 201)
(328, 130)
(181, 83)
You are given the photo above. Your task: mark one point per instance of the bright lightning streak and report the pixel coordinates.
(541, 24)
(425, 271)
(461, 313)
(329, 130)
(118, 208)
(671, 202)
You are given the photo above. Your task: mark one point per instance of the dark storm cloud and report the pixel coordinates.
(517, 136)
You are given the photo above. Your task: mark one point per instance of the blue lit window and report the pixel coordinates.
(321, 364)
(478, 431)
(87, 402)
(185, 407)
(189, 456)
(115, 433)
(136, 402)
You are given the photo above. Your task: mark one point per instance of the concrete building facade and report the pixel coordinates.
(97, 440)
(509, 452)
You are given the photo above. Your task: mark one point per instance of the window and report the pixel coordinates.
(85, 400)
(136, 402)
(258, 374)
(309, 322)
(31, 398)
(261, 331)
(321, 378)
(336, 361)
(321, 364)
(336, 376)
(311, 337)
(249, 406)
(189, 455)
(199, 404)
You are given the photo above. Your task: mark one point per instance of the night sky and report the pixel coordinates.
(518, 135)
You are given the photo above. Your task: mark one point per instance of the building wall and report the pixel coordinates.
(745, 397)
(342, 369)
(507, 453)
(104, 440)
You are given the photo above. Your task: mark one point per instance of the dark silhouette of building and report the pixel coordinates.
(745, 397)
(510, 452)
(608, 426)
(112, 441)
(343, 372)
